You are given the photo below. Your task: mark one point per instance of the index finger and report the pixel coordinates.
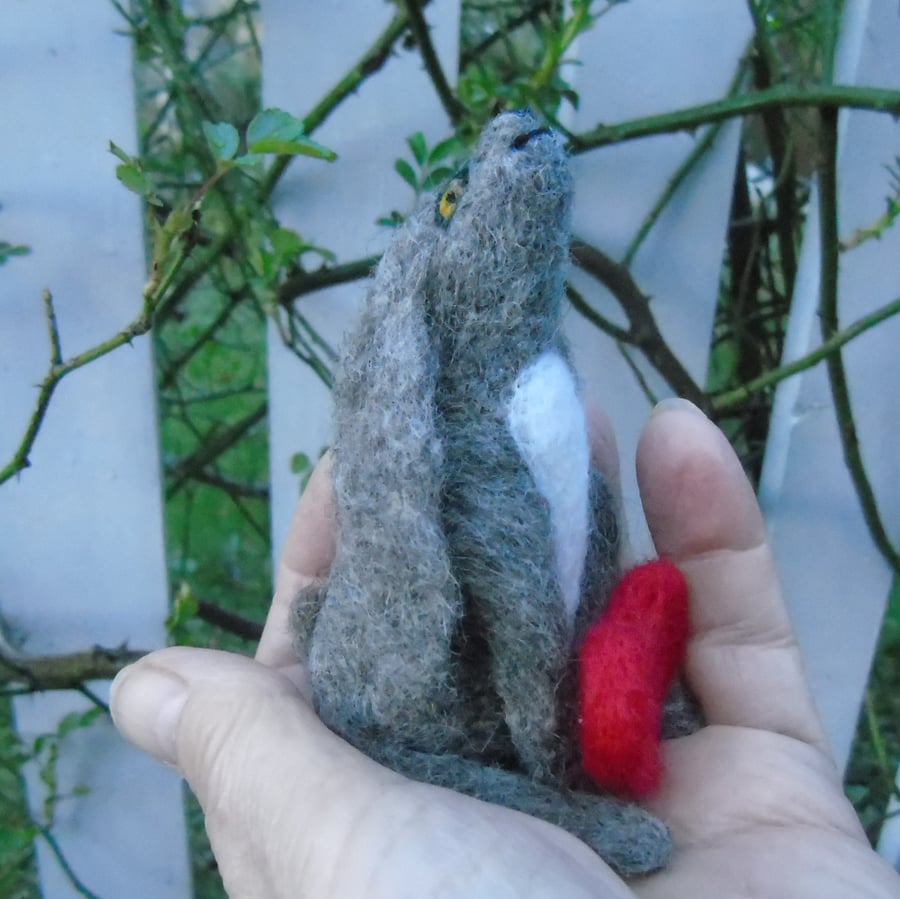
(307, 555)
(743, 660)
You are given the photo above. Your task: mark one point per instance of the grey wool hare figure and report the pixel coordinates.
(475, 544)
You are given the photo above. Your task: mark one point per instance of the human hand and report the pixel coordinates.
(754, 800)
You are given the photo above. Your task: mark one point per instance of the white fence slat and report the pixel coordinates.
(82, 528)
(642, 59)
(309, 46)
(835, 580)
(889, 839)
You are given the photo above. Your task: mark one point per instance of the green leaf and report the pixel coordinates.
(251, 163)
(131, 173)
(437, 177)
(263, 263)
(223, 139)
(273, 124)
(418, 146)
(300, 463)
(277, 131)
(184, 610)
(394, 220)
(177, 224)
(300, 147)
(117, 151)
(406, 172)
(323, 252)
(444, 149)
(138, 182)
(133, 179)
(572, 96)
(303, 466)
(286, 244)
(15, 839)
(13, 755)
(77, 720)
(7, 250)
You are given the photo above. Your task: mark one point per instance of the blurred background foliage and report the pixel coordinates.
(241, 268)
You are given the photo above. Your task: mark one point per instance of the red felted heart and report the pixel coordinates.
(626, 666)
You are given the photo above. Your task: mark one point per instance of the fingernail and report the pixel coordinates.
(676, 404)
(146, 704)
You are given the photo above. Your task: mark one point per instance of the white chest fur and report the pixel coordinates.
(546, 420)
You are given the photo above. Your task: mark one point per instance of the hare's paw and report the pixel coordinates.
(628, 838)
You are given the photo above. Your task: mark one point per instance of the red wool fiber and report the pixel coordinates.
(626, 665)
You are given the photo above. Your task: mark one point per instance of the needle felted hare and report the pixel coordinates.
(475, 543)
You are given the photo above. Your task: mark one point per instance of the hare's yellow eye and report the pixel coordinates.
(447, 206)
(450, 200)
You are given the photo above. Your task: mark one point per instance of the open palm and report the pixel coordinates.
(753, 800)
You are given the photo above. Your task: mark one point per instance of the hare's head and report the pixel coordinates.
(503, 223)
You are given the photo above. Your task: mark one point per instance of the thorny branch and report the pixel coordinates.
(700, 149)
(213, 446)
(20, 672)
(239, 625)
(782, 96)
(840, 391)
(723, 402)
(302, 283)
(531, 14)
(784, 164)
(643, 332)
(370, 62)
(58, 369)
(419, 28)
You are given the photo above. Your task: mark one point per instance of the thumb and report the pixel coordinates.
(206, 712)
(250, 747)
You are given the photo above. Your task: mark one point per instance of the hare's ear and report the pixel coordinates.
(384, 396)
(391, 594)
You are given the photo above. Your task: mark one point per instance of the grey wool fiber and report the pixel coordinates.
(442, 642)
